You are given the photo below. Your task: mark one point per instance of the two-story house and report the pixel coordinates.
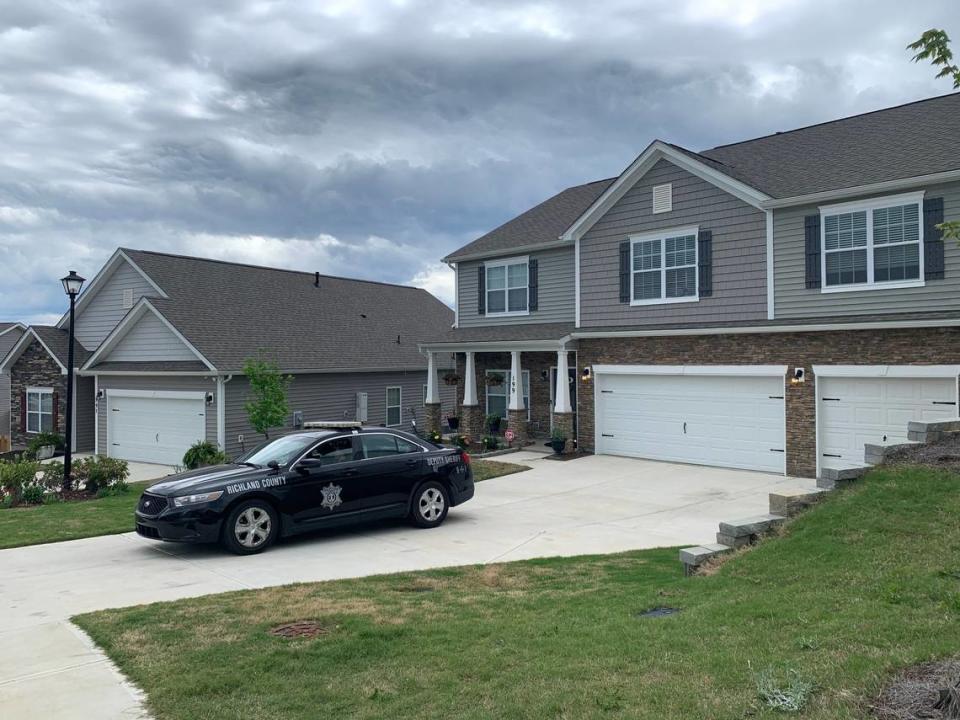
(162, 340)
(771, 304)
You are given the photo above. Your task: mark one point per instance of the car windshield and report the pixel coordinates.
(283, 450)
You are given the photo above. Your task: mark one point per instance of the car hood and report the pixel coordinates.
(208, 478)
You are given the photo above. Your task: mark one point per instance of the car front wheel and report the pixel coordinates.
(251, 527)
(430, 505)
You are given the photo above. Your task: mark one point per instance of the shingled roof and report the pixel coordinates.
(229, 312)
(911, 140)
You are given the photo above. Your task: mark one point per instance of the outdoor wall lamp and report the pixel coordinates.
(586, 374)
(798, 376)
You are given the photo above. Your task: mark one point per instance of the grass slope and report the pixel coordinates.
(35, 524)
(865, 583)
(489, 469)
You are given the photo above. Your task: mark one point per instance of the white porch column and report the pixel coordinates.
(433, 392)
(516, 383)
(469, 381)
(561, 403)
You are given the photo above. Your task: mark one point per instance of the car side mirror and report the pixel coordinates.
(273, 465)
(308, 464)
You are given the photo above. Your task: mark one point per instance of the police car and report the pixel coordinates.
(326, 475)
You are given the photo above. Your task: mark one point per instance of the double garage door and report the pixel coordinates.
(154, 428)
(703, 416)
(725, 420)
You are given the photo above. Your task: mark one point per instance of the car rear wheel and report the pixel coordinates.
(251, 527)
(430, 505)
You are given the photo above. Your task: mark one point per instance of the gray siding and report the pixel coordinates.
(739, 253)
(150, 339)
(115, 382)
(556, 294)
(85, 403)
(333, 397)
(7, 341)
(105, 310)
(793, 299)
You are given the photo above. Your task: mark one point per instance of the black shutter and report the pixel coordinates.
(932, 239)
(705, 263)
(23, 411)
(625, 271)
(811, 234)
(532, 282)
(481, 290)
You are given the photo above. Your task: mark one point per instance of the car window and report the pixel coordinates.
(377, 446)
(333, 451)
(405, 446)
(282, 450)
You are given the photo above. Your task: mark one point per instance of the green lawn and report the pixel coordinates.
(487, 469)
(865, 583)
(35, 524)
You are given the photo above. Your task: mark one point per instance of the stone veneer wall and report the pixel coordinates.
(35, 368)
(933, 346)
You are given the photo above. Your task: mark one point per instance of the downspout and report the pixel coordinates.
(221, 412)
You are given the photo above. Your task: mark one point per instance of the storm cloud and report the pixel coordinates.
(370, 139)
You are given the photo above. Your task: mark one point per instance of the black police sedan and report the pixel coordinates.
(331, 474)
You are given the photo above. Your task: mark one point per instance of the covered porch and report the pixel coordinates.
(515, 381)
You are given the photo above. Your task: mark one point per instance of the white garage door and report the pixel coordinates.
(730, 421)
(856, 411)
(154, 429)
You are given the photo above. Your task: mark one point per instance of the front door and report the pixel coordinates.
(572, 379)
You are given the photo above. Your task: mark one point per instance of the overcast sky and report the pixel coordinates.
(369, 139)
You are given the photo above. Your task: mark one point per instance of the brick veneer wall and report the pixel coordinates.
(935, 346)
(35, 368)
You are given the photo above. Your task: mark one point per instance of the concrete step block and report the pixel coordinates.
(756, 525)
(875, 454)
(792, 502)
(693, 557)
(846, 474)
(934, 426)
(735, 542)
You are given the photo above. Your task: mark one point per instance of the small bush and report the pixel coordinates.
(490, 443)
(15, 477)
(436, 436)
(203, 453)
(462, 442)
(791, 696)
(101, 472)
(33, 494)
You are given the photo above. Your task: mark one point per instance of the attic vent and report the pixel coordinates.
(127, 298)
(663, 198)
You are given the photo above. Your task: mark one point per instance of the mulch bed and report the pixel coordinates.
(944, 454)
(928, 691)
(570, 456)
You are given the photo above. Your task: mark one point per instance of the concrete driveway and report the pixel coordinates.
(591, 505)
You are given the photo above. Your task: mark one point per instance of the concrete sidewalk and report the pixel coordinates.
(591, 505)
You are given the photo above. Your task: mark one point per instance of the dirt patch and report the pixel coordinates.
(303, 630)
(943, 454)
(915, 693)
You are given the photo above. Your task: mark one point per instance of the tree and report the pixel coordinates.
(267, 407)
(934, 45)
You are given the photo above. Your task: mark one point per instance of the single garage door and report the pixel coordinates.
(154, 429)
(856, 411)
(729, 421)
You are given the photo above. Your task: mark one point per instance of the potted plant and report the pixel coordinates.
(453, 422)
(451, 379)
(493, 423)
(45, 445)
(495, 379)
(558, 441)
(436, 436)
(203, 454)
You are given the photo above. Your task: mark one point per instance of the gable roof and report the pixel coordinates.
(54, 341)
(228, 312)
(6, 327)
(908, 141)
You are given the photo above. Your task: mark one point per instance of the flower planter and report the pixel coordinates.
(453, 423)
(46, 452)
(558, 446)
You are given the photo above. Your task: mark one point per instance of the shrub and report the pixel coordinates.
(33, 494)
(493, 422)
(15, 477)
(52, 475)
(101, 472)
(462, 442)
(436, 436)
(490, 442)
(203, 453)
(790, 696)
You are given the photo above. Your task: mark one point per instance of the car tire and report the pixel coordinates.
(430, 504)
(250, 528)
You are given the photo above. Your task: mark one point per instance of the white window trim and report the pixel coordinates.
(387, 405)
(868, 206)
(525, 260)
(506, 385)
(662, 235)
(39, 413)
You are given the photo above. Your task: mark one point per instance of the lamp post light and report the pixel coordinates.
(71, 286)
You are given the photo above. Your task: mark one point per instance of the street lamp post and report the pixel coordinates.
(71, 286)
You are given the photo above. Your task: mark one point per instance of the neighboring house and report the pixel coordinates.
(771, 304)
(162, 341)
(10, 333)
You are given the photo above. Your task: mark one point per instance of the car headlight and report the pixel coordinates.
(185, 500)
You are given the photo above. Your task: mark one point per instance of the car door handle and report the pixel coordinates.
(351, 473)
(412, 462)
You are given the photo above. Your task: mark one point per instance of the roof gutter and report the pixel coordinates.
(856, 190)
(506, 252)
